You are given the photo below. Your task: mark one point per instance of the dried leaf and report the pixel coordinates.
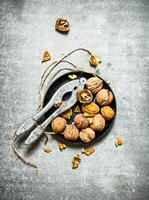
(76, 161)
(46, 56)
(88, 150)
(62, 146)
(118, 141)
(57, 104)
(94, 60)
(72, 76)
(77, 109)
(47, 149)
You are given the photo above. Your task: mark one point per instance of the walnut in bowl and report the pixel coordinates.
(87, 135)
(80, 121)
(104, 97)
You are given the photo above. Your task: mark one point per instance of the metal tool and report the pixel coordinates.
(71, 86)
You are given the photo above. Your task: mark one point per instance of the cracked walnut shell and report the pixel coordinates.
(84, 96)
(71, 132)
(87, 135)
(94, 84)
(104, 97)
(62, 25)
(98, 123)
(80, 121)
(58, 124)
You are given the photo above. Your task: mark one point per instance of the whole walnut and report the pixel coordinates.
(98, 123)
(87, 135)
(104, 97)
(71, 132)
(80, 121)
(58, 124)
(107, 112)
(94, 84)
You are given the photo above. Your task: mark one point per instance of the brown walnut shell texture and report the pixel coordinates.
(94, 84)
(98, 123)
(58, 124)
(80, 121)
(107, 112)
(104, 97)
(87, 135)
(71, 132)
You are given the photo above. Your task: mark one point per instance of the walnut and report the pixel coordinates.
(62, 146)
(71, 132)
(98, 123)
(84, 96)
(94, 84)
(91, 108)
(94, 60)
(46, 56)
(107, 112)
(67, 114)
(87, 135)
(118, 141)
(80, 121)
(58, 124)
(62, 25)
(75, 161)
(104, 97)
(88, 150)
(47, 149)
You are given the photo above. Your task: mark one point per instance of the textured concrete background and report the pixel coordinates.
(119, 32)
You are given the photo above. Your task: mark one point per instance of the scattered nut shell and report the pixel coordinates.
(62, 25)
(80, 121)
(104, 97)
(88, 150)
(57, 104)
(90, 120)
(62, 146)
(118, 141)
(84, 96)
(72, 76)
(58, 124)
(67, 114)
(77, 109)
(98, 123)
(107, 112)
(94, 84)
(91, 108)
(87, 135)
(94, 60)
(46, 56)
(76, 161)
(47, 149)
(108, 82)
(71, 132)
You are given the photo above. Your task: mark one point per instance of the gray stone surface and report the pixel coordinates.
(119, 32)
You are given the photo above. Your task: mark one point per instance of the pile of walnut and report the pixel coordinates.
(92, 114)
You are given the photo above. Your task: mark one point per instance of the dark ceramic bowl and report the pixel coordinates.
(60, 81)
